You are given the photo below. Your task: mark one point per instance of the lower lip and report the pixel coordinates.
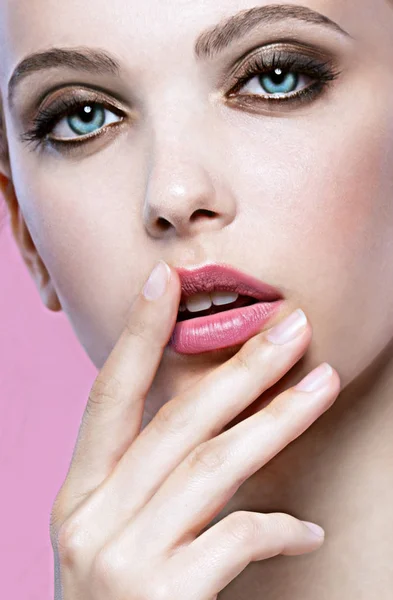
(222, 330)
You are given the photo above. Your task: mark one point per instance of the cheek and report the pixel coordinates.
(322, 195)
(85, 222)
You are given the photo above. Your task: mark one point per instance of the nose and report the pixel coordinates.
(185, 194)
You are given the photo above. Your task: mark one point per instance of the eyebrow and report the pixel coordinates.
(216, 39)
(82, 59)
(208, 44)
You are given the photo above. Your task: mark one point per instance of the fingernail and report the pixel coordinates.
(288, 329)
(316, 379)
(316, 529)
(158, 280)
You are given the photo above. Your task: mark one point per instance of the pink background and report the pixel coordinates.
(45, 378)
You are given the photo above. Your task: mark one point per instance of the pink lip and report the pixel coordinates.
(230, 327)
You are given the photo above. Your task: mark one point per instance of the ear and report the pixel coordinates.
(22, 236)
(29, 252)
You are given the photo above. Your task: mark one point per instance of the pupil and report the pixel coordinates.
(86, 114)
(278, 76)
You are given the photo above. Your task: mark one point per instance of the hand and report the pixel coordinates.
(127, 521)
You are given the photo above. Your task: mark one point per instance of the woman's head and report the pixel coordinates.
(199, 160)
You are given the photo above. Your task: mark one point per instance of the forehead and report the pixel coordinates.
(144, 35)
(28, 25)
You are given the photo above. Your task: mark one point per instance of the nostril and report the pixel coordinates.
(163, 224)
(202, 212)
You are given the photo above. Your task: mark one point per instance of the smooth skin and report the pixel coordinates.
(297, 195)
(127, 522)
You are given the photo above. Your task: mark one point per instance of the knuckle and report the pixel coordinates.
(139, 328)
(256, 346)
(208, 456)
(173, 417)
(108, 565)
(283, 524)
(105, 390)
(69, 543)
(243, 526)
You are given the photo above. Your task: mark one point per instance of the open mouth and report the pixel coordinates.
(221, 307)
(203, 304)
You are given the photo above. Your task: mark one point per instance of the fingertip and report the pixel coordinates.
(157, 281)
(315, 529)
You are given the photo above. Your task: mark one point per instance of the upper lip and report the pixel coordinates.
(223, 277)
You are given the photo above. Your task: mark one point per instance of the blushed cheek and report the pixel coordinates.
(357, 193)
(351, 246)
(322, 195)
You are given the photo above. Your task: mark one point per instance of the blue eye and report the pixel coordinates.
(87, 119)
(279, 82)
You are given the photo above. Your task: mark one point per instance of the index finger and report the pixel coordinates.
(114, 410)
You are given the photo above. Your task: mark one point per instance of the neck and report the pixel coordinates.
(337, 474)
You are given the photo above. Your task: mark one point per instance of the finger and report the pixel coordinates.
(114, 410)
(200, 413)
(225, 550)
(205, 481)
(186, 421)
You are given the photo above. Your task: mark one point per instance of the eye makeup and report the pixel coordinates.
(68, 102)
(277, 61)
(271, 65)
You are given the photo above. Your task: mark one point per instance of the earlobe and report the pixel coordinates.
(29, 252)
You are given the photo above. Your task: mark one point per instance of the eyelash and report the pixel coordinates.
(47, 118)
(259, 64)
(322, 72)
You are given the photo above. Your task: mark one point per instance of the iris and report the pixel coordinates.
(279, 82)
(87, 119)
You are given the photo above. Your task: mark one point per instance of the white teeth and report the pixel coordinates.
(198, 302)
(220, 298)
(203, 301)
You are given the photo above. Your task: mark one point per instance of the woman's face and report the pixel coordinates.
(295, 166)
